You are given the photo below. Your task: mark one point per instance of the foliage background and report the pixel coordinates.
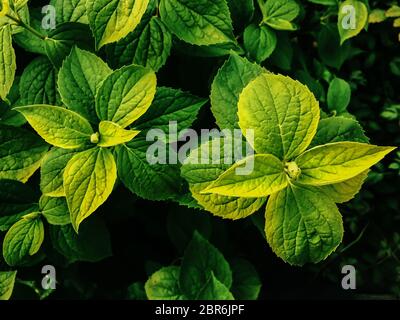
(139, 229)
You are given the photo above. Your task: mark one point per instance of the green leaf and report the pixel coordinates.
(92, 244)
(164, 285)
(38, 84)
(266, 177)
(242, 12)
(111, 134)
(278, 14)
(89, 179)
(70, 10)
(339, 95)
(214, 290)
(233, 76)
(60, 41)
(80, 77)
(170, 105)
(126, 95)
(27, 40)
(181, 224)
(200, 172)
(23, 15)
(15, 197)
(7, 61)
(338, 129)
(8, 116)
(302, 225)
(353, 16)
(200, 259)
(313, 84)
(259, 41)
(329, 49)
(187, 200)
(140, 176)
(136, 291)
(282, 112)
(208, 51)
(19, 3)
(52, 171)
(324, 2)
(123, 52)
(201, 22)
(337, 162)
(7, 221)
(7, 280)
(22, 240)
(58, 126)
(16, 200)
(21, 153)
(246, 281)
(6, 21)
(112, 20)
(55, 210)
(152, 46)
(282, 57)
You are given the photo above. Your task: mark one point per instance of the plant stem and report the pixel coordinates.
(26, 27)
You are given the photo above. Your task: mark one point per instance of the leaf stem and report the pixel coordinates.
(26, 27)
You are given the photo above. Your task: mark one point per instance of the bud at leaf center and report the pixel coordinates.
(292, 170)
(94, 138)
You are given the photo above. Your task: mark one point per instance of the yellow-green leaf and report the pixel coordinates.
(112, 20)
(283, 113)
(223, 206)
(214, 289)
(23, 239)
(4, 7)
(393, 12)
(337, 162)
(111, 134)
(52, 170)
(21, 153)
(345, 191)
(7, 280)
(278, 14)
(164, 285)
(7, 61)
(55, 210)
(79, 78)
(353, 16)
(58, 126)
(88, 181)
(234, 75)
(266, 175)
(376, 16)
(126, 95)
(200, 22)
(302, 225)
(199, 171)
